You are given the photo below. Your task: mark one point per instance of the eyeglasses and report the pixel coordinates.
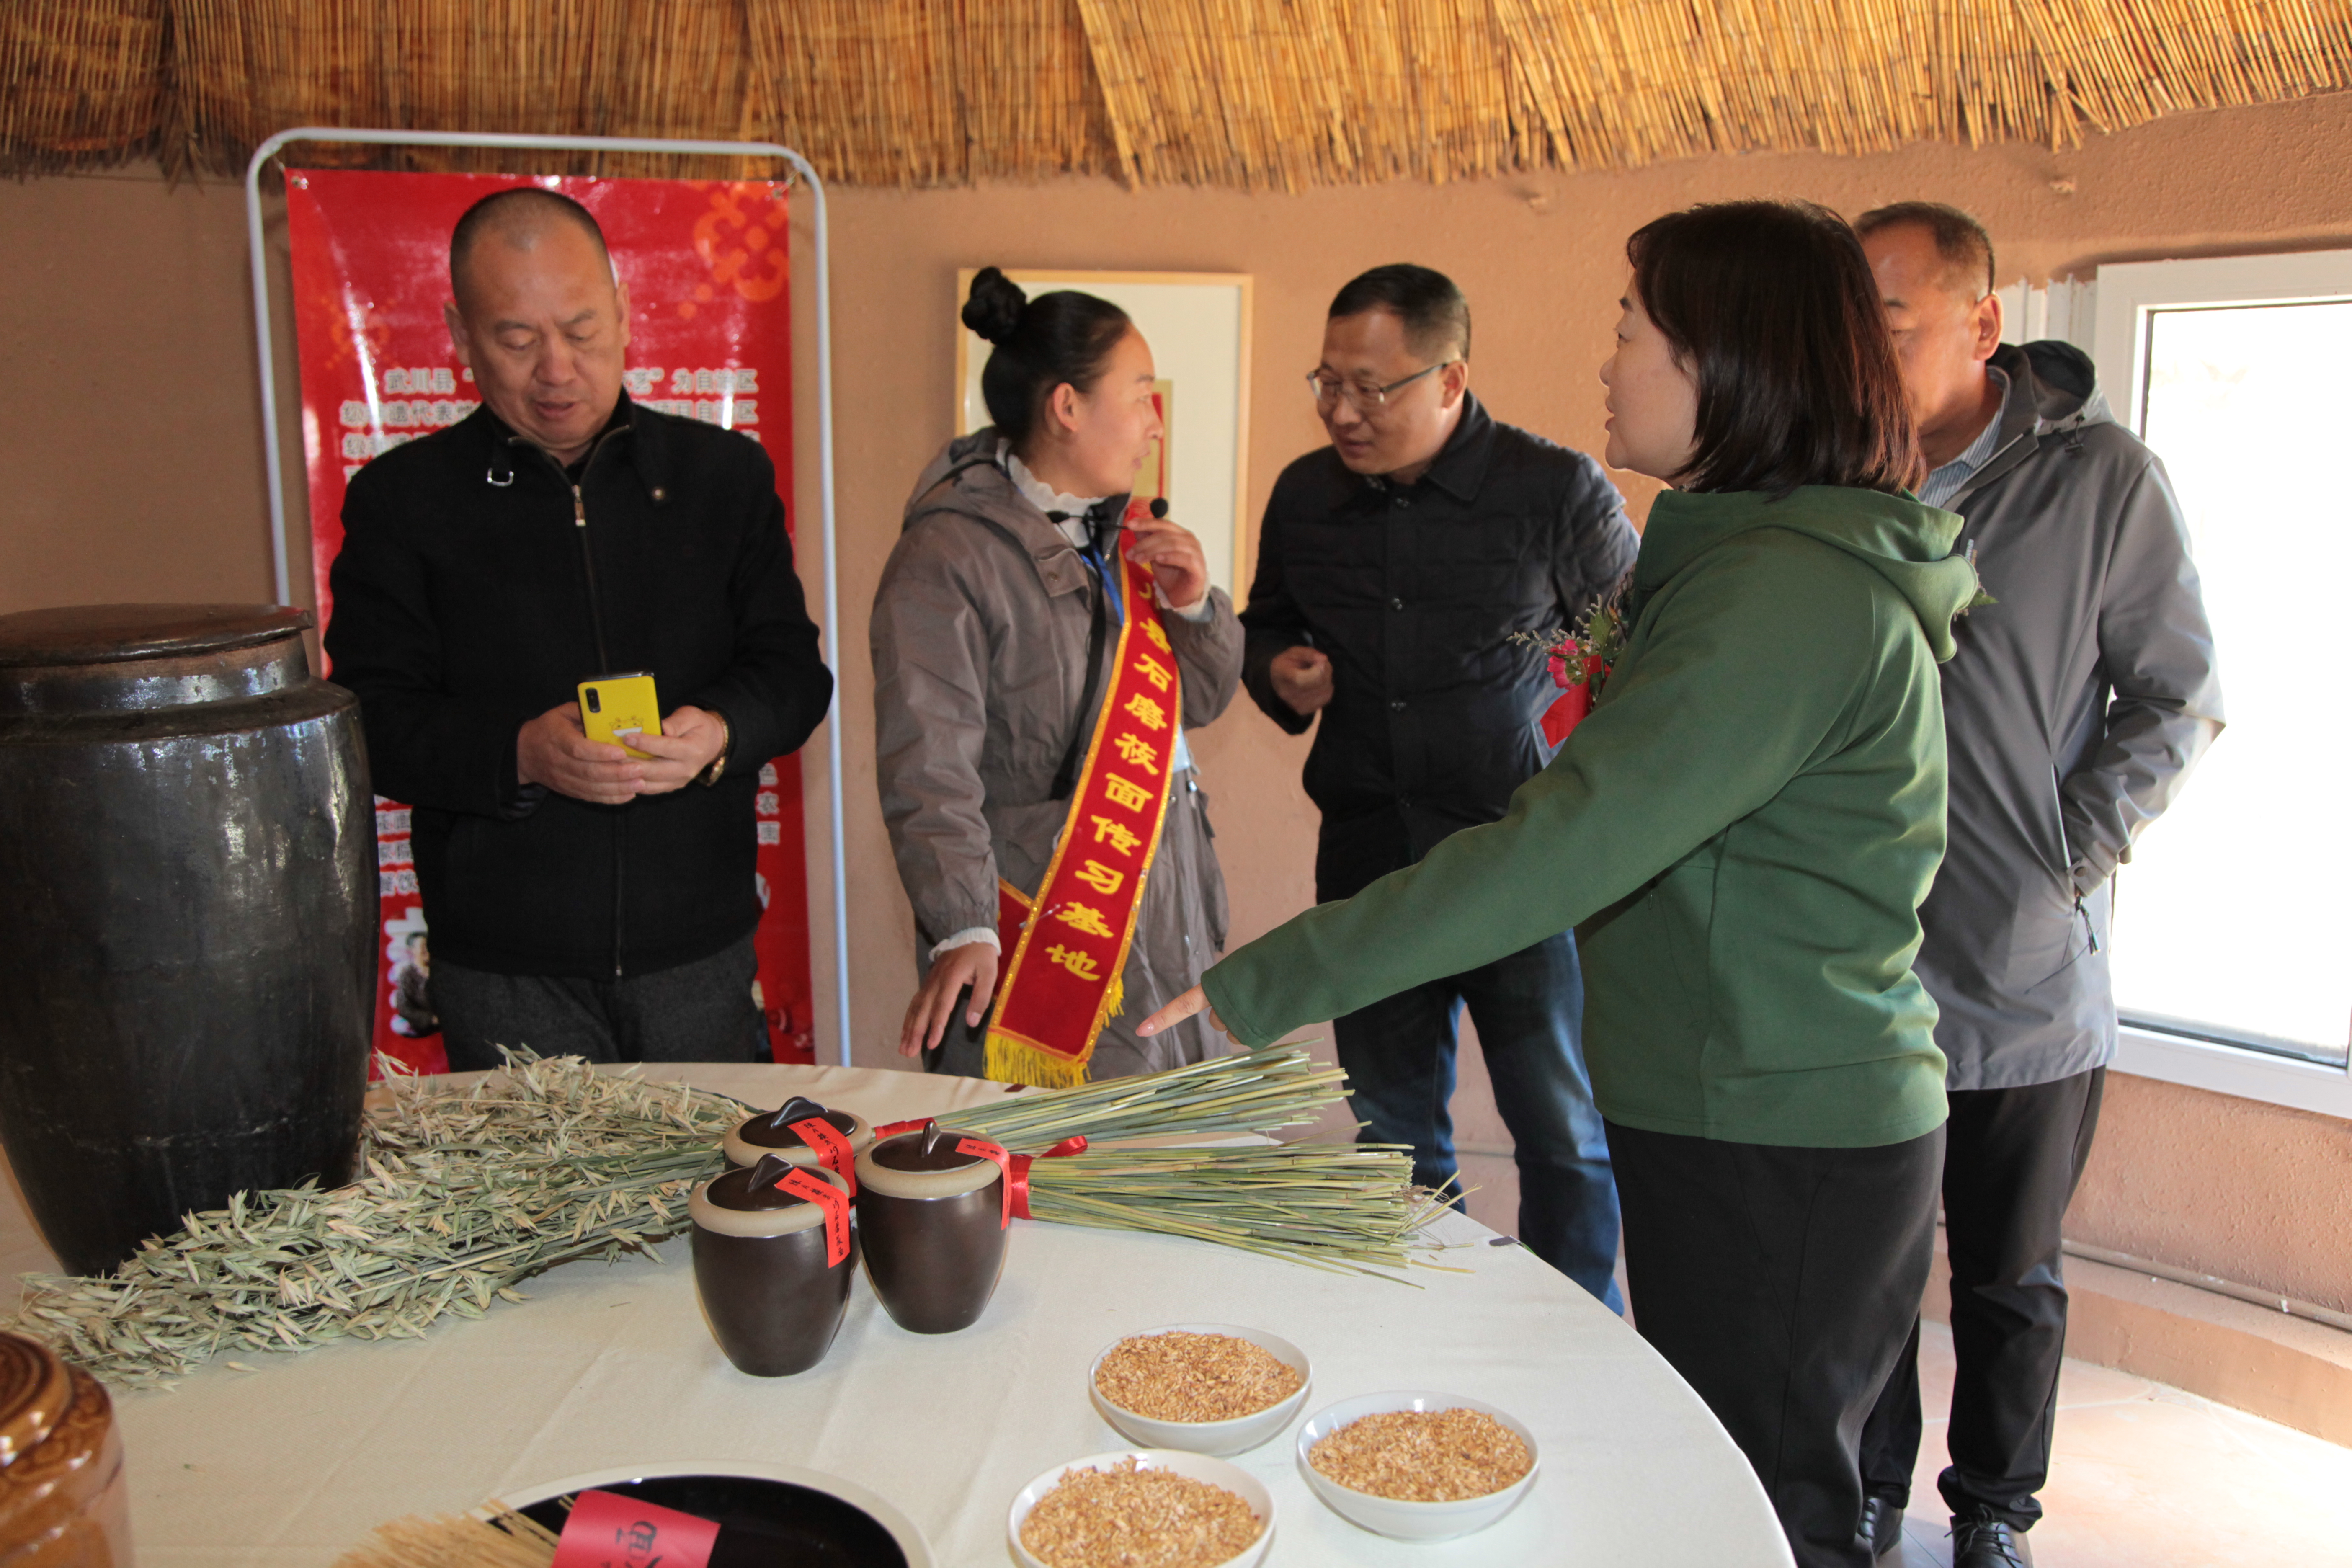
(1364, 399)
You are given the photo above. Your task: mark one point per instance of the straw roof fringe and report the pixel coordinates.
(1253, 94)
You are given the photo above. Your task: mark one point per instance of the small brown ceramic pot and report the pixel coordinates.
(63, 1503)
(931, 1222)
(760, 1266)
(771, 1132)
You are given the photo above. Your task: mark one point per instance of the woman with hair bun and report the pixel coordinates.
(1040, 646)
(1740, 834)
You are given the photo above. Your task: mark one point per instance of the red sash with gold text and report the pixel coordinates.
(1062, 983)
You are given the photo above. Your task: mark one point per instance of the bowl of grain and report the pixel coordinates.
(1417, 1465)
(1210, 1388)
(1151, 1507)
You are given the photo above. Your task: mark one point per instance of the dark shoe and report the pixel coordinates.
(1882, 1525)
(1985, 1540)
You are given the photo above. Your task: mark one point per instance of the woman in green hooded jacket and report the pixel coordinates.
(1740, 833)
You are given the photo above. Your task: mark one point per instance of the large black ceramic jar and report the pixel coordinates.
(188, 910)
(930, 1217)
(772, 1267)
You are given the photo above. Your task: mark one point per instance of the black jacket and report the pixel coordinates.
(468, 599)
(1414, 593)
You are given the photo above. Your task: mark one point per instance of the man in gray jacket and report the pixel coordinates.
(2082, 693)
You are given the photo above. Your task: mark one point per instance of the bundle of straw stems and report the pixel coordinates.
(468, 1190)
(504, 1539)
(1348, 1207)
(1257, 1091)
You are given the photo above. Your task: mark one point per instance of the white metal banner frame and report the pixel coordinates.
(277, 552)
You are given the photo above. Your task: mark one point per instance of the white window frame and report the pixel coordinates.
(2129, 293)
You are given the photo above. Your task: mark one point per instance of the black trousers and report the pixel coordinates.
(697, 1012)
(1780, 1283)
(2011, 1167)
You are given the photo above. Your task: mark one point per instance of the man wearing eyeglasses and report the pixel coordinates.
(1395, 567)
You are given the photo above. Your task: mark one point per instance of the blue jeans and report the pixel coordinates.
(1529, 1009)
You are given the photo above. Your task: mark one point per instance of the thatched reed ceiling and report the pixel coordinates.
(1251, 93)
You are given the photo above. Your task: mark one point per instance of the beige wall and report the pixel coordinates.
(129, 464)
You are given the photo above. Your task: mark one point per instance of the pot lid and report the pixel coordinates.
(34, 1392)
(111, 634)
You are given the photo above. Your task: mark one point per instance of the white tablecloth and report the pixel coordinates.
(605, 1367)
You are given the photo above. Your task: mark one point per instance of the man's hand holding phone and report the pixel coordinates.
(555, 750)
(690, 742)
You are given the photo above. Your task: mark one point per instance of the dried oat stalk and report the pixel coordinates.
(503, 1539)
(1263, 1091)
(1347, 1207)
(468, 1191)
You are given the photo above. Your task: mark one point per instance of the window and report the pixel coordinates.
(2233, 921)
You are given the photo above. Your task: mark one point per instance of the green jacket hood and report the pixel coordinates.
(1909, 544)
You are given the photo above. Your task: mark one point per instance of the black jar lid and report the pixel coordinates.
(746, 1202)
(753, 1188)
(773, 1129)
(926, 1150)
(113, 634)
(925, 1165)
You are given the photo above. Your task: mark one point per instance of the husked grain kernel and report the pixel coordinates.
(1193, 1377)
(1128, 1517)
(1423, 1456)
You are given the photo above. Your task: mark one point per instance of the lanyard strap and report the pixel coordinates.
(1106, 593)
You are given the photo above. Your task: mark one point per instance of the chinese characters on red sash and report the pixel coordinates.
(1062, 982)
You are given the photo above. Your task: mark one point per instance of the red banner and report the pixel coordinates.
(709, 339)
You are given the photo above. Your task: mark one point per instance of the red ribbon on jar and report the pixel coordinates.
(993, 1152)
(809, 1187)
(608, 1530)
(832, 1149)
(892, 1130)
(1018, 1176)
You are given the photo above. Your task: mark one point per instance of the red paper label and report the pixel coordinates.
(607, 1531)
(815, 1189)
(892, 1129)
(832, 1149)
(994, 1152)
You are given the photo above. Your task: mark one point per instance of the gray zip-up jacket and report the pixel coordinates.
(2077, 704)
(979, 640)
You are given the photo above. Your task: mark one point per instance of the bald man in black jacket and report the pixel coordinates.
(580, 900)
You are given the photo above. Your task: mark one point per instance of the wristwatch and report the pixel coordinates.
(717, 768)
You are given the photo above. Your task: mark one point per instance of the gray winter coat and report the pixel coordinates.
(2077, 702)
(979, 640)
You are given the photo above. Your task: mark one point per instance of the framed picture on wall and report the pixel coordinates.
(1197, 324)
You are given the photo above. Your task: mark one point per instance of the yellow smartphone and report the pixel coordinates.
(611, 705)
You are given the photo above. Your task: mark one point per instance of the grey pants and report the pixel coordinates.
(698, 1012)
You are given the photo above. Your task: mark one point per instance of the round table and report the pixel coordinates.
(296, 1460)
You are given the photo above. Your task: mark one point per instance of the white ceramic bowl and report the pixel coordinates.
(1411, 1520)
(1237, 1435)
(1200, 1466)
